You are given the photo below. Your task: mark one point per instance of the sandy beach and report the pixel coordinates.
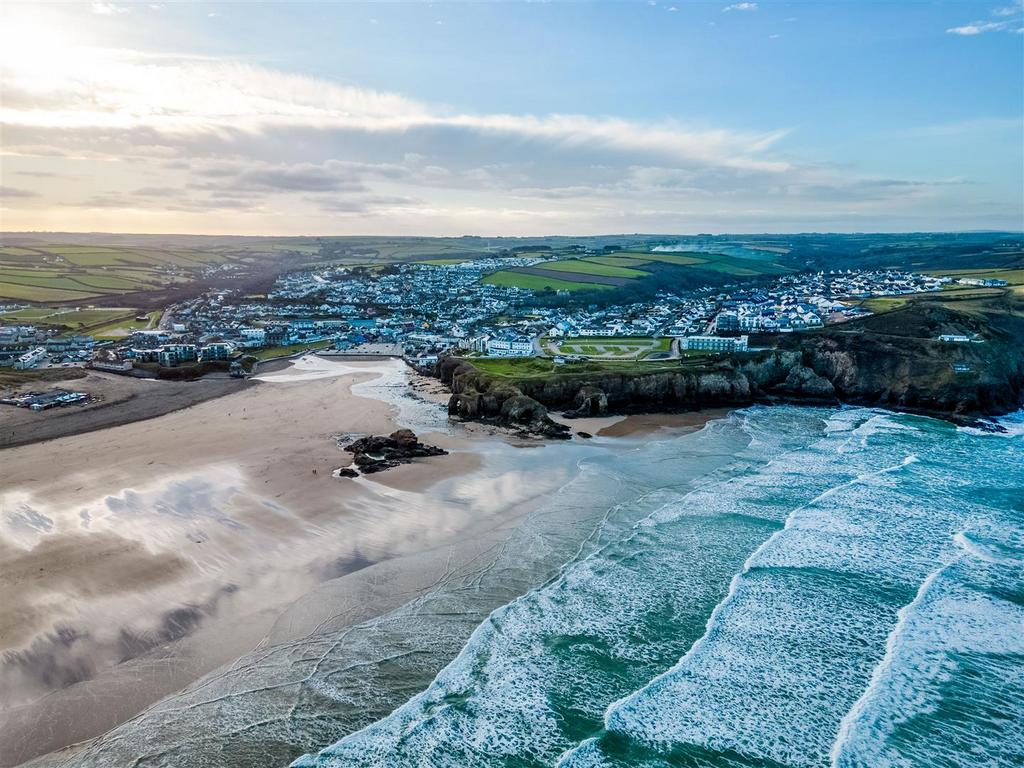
(118, 399)
(135, 540)
(140, 557)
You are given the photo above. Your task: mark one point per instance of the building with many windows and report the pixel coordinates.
(714, 343)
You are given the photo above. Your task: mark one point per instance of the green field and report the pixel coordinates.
(587, 267)
(68, 272)
(667, 258)
(619, 261)
(510, 279)
(713, 262)
(95, 321)
(535, 367)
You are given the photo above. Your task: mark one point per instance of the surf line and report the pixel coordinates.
(855, 712)
(734, 584)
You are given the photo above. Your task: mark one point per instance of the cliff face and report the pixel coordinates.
(893, 362)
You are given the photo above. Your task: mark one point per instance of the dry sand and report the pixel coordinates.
(118, 400)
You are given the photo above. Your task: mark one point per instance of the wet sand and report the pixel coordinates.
(136, 558)
(638, 425)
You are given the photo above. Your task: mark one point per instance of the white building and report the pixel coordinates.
(714, 343)
(518, 347)
(30, 359)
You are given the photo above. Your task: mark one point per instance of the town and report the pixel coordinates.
(419, 311)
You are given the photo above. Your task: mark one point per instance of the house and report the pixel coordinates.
(173, 354)
(109, 360)
(30, 359)
(510, 347)
(216, 350)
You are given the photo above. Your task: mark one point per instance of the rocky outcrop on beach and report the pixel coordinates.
(892, 361)
(376, 453)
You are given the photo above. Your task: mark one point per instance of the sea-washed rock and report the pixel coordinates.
(376, 453)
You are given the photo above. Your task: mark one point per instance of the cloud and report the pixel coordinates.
(1005, 19)
(156, 192)
(13, 192)
(43, 174)
(194, 135)
(108, 9)
(977, 28)
(740, 7)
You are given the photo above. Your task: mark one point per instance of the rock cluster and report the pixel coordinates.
(375, 453)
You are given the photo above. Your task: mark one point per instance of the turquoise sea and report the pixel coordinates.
(845, 587)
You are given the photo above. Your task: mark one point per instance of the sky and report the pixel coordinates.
(505, 118)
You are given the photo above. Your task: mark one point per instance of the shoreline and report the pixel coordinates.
(338, 527)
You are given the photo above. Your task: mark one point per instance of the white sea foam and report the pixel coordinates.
(954, 659)
(792, 646)
(623, 609)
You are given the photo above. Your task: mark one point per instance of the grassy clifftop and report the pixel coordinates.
(892, 360)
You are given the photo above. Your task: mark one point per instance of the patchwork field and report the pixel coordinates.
(714, 262)
(619, 268)
(66, 273)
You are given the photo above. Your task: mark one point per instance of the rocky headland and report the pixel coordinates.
(893, 360)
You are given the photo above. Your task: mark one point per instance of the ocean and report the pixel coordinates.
(845, 588)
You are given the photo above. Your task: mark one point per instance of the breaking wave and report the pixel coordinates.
(851, 591)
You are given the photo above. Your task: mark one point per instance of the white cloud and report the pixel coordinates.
(195, 135)
(108, 9)
(1005, 19)
(740, 7)
(976, 28)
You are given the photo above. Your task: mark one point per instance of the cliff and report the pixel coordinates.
(893, 361)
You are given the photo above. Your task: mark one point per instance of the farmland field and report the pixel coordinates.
(587, 267)
(69, 272)
(509, 279)
(713, 262)
(95, 320)
(666, 258)
(620, 261)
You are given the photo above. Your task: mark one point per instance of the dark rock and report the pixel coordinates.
(376, 453)
(583, 434)
(347, 472)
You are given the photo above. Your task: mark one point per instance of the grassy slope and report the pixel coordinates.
(539, 283)
(587, 267)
